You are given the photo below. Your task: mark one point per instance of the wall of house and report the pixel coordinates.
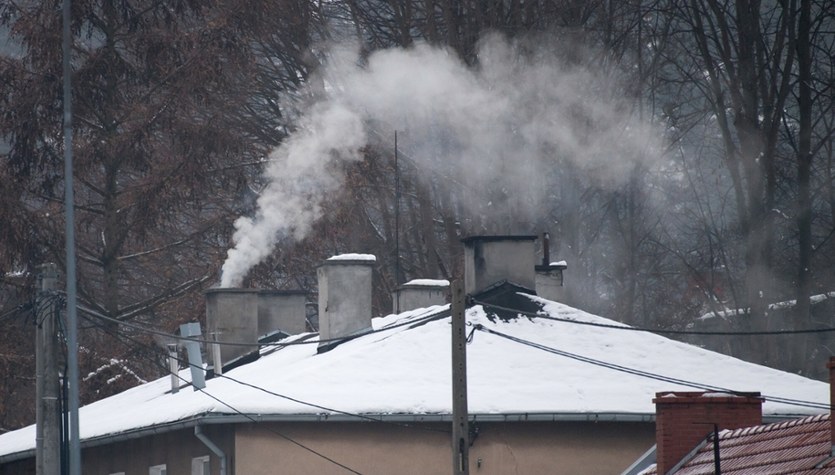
(19, 467)
(175, 449)
(372, 448)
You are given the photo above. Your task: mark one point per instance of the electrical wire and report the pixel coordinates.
(119, 337)
(645, 374)
(153, 331)
(265, 390)
(15, 311)
(325, 408)
(656, 330)
(444, 312)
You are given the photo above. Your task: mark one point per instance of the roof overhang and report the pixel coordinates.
(215, 418)
(209, 419)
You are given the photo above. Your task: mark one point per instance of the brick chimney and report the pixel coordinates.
(492, 259)
(344, 297)
(684, 419)
(831, 366)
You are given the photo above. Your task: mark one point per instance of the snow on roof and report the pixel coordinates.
(354, 257)
(814, 299)
(428, 282)
(405, 369)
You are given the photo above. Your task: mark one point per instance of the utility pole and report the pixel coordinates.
(460, 416)
(48, 414)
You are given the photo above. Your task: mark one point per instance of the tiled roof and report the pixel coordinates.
(792, 447)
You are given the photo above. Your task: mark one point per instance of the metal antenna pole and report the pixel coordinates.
(72, 319)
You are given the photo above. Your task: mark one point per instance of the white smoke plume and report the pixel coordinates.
(299, 179)
(494, 130)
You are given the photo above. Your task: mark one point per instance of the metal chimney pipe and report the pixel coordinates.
(173, 367)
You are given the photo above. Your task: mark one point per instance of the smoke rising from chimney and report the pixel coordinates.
(491, 132)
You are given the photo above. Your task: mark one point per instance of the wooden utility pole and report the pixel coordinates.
(48, 414)
(460, 416)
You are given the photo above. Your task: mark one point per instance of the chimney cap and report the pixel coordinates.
(706, 397)
(425, 284)
(351, 259)
(499, 237)
(281, 292)
(229, 290)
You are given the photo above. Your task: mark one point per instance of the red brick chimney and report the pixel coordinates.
(831, 366)
(683, 419)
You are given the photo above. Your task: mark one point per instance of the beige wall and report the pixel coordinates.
(175, 449)
(502, 448)
(373, 448)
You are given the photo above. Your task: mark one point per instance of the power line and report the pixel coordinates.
(18, 309)
(265, 390)
(283, 436)
(153, 331)
(325, 408)
(119, 337)
(645, 374)
(656, 330)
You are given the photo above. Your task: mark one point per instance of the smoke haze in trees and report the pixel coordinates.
(492, 132)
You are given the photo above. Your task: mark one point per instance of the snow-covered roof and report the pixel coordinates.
(402, 370)
(813, 300)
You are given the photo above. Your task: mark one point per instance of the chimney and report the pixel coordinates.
(281, 312)
(419, 293)
(549, 275)
(232, 316)
(344, 297)
(831, 366)
(684, 419)
(492, 259)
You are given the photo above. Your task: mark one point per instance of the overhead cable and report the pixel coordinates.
(641, 373)
(655, 330)
(154, 331)
(186, 363)
(224, 403)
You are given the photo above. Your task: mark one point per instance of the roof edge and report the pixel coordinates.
(326, 417)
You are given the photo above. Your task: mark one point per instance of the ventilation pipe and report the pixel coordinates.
(174, 367)
(198, 432)
(550, 280)
(489, 260)
(195, 358)
(344, 297)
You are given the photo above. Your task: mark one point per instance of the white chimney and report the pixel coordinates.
(489, 260)
(419, 293)
(344, 297)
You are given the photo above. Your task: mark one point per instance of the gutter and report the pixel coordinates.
(198, 432)
(214, 418)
